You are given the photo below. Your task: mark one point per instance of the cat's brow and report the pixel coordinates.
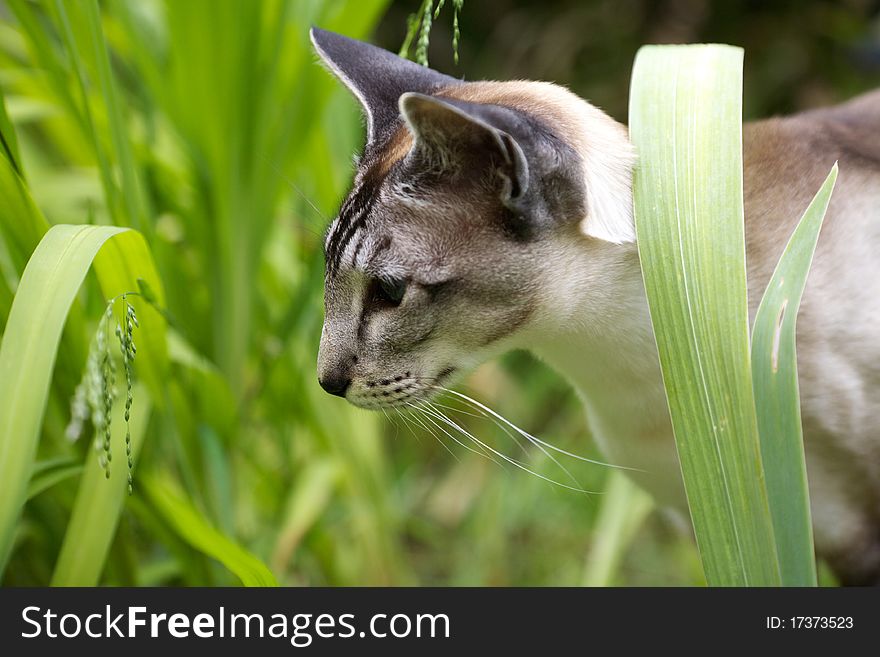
(381, 245)
(353, 215)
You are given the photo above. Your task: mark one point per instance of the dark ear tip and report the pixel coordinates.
(325, 40)
(317, 35)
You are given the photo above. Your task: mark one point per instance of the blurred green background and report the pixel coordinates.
(241, 151)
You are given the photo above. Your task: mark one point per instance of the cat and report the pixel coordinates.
(488, 216)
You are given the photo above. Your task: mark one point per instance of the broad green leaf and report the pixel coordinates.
(774, 374)
(685, 121)
(99, 500)
(29, 348)
(188, 523)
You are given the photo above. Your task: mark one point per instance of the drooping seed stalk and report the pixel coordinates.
(97, 390)
(128, 349)
(107, 387)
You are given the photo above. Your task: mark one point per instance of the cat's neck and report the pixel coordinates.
(595, 330)
(594, 310)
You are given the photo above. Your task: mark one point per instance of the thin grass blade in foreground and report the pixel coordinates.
(686, 123)
(774, 375)
(28, 351)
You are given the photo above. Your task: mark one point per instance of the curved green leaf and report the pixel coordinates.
(29, 348)
(188, 523)
(774, 376)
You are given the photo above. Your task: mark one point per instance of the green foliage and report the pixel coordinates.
(30, 341)
(418, 29)
(149, 127)
(191, 526)
(685, 121)
(624, 508)
(686, 124)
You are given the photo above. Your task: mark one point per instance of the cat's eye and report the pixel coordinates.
(391, 291)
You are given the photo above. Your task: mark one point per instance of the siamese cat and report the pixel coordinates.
(488, 216)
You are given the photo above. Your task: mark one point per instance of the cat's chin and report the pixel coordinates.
(398, 391)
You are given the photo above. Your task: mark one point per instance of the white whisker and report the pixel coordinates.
(409, 426)
(417, 419)
(457, 441)
(545, 452)
(512, 461)
(457, 409)
(485, 416)
(530, 437)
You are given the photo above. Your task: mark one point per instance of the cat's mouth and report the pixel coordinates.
(397, 391)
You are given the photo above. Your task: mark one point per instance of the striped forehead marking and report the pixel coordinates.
(352, 217)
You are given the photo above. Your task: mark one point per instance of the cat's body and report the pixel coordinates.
(495, 215)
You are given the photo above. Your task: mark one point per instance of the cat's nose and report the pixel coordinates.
(334, 373)
(335, 383)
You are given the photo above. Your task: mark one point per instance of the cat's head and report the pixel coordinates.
(472, 205)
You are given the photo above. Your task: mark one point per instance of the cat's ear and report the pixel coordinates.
(376, 77)
(451, 133)
(548, 180)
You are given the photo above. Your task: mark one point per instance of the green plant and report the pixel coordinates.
(777, 400)
(686, 124)
(419, 25)
(196, 151)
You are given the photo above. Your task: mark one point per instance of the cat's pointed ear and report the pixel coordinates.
(451, 133)
(376, 77)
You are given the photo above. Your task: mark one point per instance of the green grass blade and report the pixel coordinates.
(27, 355)
(99, 501)
(774, 375)
(22, 225)
(29, 348)
(8, 139)
(624, 509)
(86, 42)
(112, 194)
(685, 120)
(305, 504)
(50, 472)
(188, 523)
